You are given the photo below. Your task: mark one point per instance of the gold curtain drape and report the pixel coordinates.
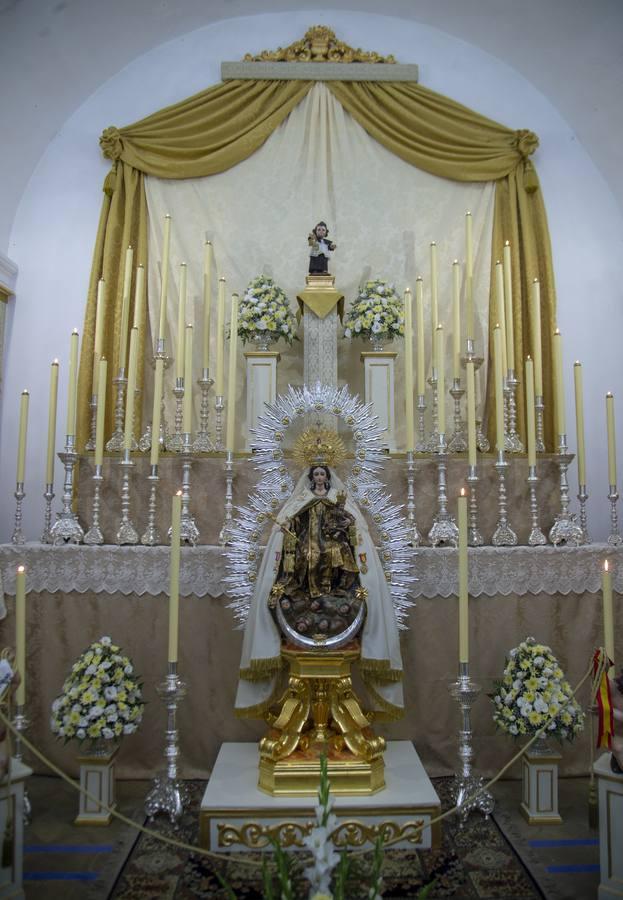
(219, 127)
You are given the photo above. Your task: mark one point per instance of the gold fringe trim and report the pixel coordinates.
(261, 669)
(380, 670)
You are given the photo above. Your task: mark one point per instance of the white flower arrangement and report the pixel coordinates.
(264, 312)
(533, 689)
(101, 697)
(378, 311)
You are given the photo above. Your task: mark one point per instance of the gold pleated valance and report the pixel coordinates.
(220, 127)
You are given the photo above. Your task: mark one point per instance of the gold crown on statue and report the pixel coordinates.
(319, 446)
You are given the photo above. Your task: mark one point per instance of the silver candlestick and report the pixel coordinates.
(151, 537)
(169, 794)
(503, 536)
(48, 496)
(536, 538)
(21, 724)
(514, 440)
(474, 537)
(18, 536)
(116, 439)
(444, 530)
(203, 444)
(225, 534)
(482, 441)
(421, 411)
(127, 533)
(94, 534)
(90, 444)
(470, 356)
(176, 441)
(433, 440)
(414, 534)
(565, 529)
(583, 497)
(539, 407)
(219, 406)
(144, 443)
(466, 784)
(457, 443)
(67, 528)
(614, 538)
(189, 533)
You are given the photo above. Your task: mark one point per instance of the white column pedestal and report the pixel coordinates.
(539, 805)
(12, 812)
(261, 385)
(97, 776)
(379, 391)
(610, 792)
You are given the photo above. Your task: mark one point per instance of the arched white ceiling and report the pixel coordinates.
(55, 53)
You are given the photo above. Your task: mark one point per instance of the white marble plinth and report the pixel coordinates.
(379, 391)
(97, 776)
(610, 792)
(539, 804)
(12, 810)
(236, 815)
(261, 385)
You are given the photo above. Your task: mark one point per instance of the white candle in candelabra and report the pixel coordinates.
(156, 412)
(612, 446)
(530, 413)
(500, 314)
(49, 459)
(187, 408)
(463, 580)
(434, 310)
(181, 319)
(231, 381)
(469, 276)
(456, 320)
(125, 307)
(99, 332)
(441, 381)
(537, 352)
(606, 591)
(72, 391)
(20, 633)
(139, 297)
(21, 441)
(471, 412)
(499, 387)
(166, 250)
(101, 411)
(559, 387)
(579, 421)
(207, 302)
(419, 318)
(129, 403)
(508, 307)
(220, 339)
(410, 424)
(174, 576)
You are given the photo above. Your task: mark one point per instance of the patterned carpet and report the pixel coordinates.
(474, 862)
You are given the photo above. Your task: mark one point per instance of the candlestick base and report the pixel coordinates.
(583, 497)
(565, 529)
(115, 442)
(614, 538)
(474, 537)
(94, 535)
(168, 794)
(151, 536)
(503, 536)
(48, 496)
(444, 531)
(458, 441)
(468, 789)
(17, 538)
(203, 442)
(536, 537)
(127, 533)
(189, 533)
(482, 441)
(67, 529)
(226, 533)
(414, 537)
(176, 440)
(539, 407)
(421, 411)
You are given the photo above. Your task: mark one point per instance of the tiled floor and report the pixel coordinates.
(66, 862)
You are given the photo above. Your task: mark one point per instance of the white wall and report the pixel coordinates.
(53, 233)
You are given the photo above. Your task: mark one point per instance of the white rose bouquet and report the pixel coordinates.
(101, 698)
(378, 312)
(264, 312)
(531, 691)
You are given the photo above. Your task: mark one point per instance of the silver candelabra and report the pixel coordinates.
(457, 443)
(176, 440)
(94, 534)
(614, 538)
(126, 533)
(513, 441)
(582, 498)
(414, 534)
(203, 444)
(48, 496)
(189, 533)
(225, 535)
(421, 414)
(503, 536)
(565, 529)
(18, 537)
(163, 437)
(151, 536)
(433, 440)
(67, 528)
(444, 530)
(116, 439)
(219, 406)
(536, 537)
(168, 793)
(474, 537)
(539, 407)
(90, 444)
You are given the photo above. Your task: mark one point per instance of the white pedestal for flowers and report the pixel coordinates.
(261, 385)
(12, 829)
(539, 805)
(610, 790)
(379, 391)
(97, 776)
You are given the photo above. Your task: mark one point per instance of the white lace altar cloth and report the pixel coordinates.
(502, 571)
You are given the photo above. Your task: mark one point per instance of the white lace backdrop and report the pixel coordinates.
(382, 214)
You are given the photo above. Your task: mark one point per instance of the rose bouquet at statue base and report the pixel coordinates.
(534, 693)
(101, 698)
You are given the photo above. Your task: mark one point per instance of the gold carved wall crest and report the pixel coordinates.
(319, 45)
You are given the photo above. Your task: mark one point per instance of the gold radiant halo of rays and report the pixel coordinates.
(319, 446)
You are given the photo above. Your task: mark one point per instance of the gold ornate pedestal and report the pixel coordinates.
(319, 713)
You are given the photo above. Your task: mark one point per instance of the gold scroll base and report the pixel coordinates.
(319, 713)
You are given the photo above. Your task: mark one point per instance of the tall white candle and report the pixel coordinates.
(181, 321)
(125, 308)
(434, 309)
(22, 434)
(129, 403)
(579, 421)
(409, 419)
(99, 332)
(156, 412)
(166, 250)
(20, 633)
(231, 381)
(469, 276)
(139, 297)
(530, 412)
(441, 381)
(101, 412)
(49, 459)
(73, 383)
(220, 340)
(561, 419)
(187, 408)
(471, 412)
(612, 441)
(207, 302)
(421, 353)
(508, 307)
(537, 352)
(499, 388)
(500, 311)
(456, 320)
